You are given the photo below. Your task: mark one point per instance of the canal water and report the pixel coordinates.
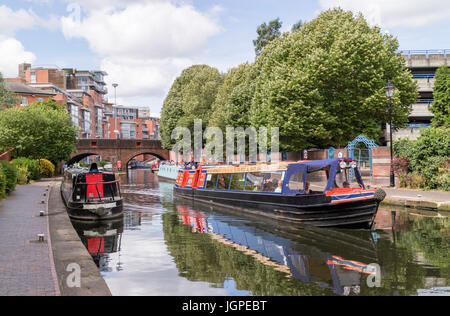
(168, 247)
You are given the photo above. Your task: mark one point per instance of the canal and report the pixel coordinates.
(169, 247)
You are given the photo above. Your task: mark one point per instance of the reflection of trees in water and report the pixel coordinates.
(430, 240)
(200, 258)
(403, 270)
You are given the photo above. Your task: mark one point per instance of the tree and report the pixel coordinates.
(40, 130)
(441, 104)
(266, 34)
(232, 102)
(190, 98)
(324, 84)
(7, 98)
(297, 26)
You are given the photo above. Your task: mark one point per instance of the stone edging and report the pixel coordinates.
(418, 204)
(68, 249)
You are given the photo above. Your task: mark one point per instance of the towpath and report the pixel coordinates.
(418, 199)
(26, 265)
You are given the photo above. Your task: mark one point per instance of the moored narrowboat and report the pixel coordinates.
(323, 193)
(91, 195)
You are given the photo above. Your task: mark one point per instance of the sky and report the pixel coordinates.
(144, 45)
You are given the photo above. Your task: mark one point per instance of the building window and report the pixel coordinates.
(33, 77)
(40, 100)
(24, 101)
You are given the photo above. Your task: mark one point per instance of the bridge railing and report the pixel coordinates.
(426, 52)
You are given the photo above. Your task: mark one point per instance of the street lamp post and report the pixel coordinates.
(390, 89)
(115, 85)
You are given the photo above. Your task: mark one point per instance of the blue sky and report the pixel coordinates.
(145, 44)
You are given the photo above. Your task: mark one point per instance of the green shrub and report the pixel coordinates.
(434, 142)
(30, 164)
(22, 175)
(10, 173)
(436, 170)
(416, 181)
(46, 167)
(2, 184)
(404, 148)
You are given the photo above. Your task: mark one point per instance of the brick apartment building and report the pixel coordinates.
(85, 95)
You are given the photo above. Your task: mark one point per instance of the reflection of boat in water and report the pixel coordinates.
(335, 259)
(100, 238)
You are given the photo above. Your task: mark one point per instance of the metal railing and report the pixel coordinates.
(426, 52)
(426, 76)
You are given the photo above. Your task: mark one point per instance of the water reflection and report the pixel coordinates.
(179, 248)
(100, 239)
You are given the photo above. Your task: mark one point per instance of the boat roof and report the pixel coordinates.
(272, 167)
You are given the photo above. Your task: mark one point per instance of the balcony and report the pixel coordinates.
(425, 82)
(426, 58)
(412, 132)
(422, 109)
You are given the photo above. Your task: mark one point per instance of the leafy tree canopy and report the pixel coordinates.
(232, 102)
(7, 98)
(190, 97)
(266, 34)
(324, 84)
(40, 130)
(297, 26)
(441, 94)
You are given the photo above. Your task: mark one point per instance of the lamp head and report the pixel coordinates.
(390, 89)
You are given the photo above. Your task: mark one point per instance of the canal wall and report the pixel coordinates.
(69, 253)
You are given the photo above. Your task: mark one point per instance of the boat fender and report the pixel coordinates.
(379, 195)
(101, 211)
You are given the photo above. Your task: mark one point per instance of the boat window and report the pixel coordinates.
(224, 181)
(211, 180)
(317, 181)
(237, 182)
(344, 180)
(254, 181)
(273, 182)
(297, 181)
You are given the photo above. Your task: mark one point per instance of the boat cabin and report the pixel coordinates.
(300, 178)
(81, 186)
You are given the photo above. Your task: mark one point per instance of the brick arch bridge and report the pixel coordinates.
(114, 150)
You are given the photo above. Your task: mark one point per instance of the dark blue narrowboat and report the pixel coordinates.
(323, 193)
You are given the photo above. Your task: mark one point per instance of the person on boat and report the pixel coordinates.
(307, 188)
(279, 187)
(94, 168)
(346, 185)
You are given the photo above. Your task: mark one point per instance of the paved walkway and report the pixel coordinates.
(418, 199)
(417, 194)
(26, 266)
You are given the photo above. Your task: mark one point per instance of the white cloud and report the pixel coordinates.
(12, 54)
(12, 21)
(398, 13)
(153, 30)
(145, 44)
(143, 77)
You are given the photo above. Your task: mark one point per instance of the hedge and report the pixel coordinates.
(10, 173)
(2, 184)
(30, 164)
(47, 168)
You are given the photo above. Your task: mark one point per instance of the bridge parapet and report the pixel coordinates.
(118, 143)
(114, 150)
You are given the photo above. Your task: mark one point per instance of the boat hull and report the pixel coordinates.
(101, 211)
(316, 209)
